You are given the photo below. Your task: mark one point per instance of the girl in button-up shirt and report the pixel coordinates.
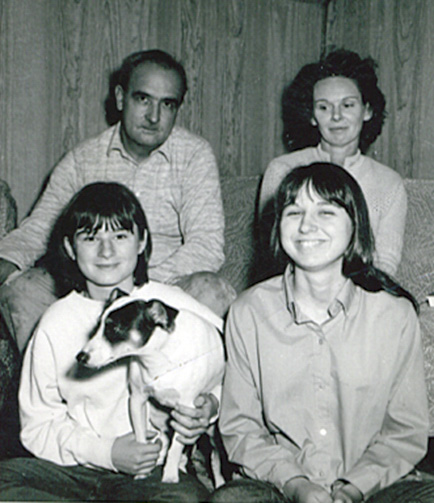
(324, 396)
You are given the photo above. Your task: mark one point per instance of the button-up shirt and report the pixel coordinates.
(177, 185)
(344, 399)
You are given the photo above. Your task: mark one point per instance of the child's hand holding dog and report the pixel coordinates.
(132, 457)
(190, 422)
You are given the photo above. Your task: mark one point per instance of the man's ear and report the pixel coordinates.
(119, 95)
(69, 248)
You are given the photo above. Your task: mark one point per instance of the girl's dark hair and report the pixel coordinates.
(297, 98)
(95, 205)
(337, 186)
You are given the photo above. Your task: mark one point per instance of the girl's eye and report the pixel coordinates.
(322, 107)
(292, 212)
(121, 236)
(86, 238)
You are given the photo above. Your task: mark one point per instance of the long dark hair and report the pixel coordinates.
(95, 205)
(297, 98)
(337, 186)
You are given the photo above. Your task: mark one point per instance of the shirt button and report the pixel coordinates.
(323, 432)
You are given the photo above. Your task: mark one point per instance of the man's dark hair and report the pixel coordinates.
(297, 98)
(122, 76)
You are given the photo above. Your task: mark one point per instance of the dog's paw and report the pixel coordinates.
(140, 476)
(170, 476)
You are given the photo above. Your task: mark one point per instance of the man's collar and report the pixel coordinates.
(115, 143)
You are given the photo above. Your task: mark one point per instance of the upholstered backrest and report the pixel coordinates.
(416, 271)
(239, 201)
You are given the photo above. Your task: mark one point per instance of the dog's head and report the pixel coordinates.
(125, 325)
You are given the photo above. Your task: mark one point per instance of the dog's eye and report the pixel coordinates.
(113, 332)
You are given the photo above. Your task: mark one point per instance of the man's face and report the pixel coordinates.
(149, 107)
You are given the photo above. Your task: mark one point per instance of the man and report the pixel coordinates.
(172, 172)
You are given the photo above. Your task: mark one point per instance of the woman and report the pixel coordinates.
(332, 111)
(324, 394)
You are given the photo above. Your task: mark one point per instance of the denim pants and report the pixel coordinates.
(415, 488)
(32, 479)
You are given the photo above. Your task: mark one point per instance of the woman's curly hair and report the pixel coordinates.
(297, 98)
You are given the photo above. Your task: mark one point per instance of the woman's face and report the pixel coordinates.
(339, 113)
(314, 233)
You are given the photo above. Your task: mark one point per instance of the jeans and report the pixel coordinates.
(32, 479)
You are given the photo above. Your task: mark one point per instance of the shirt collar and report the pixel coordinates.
(343, 300)
(349, 161)
(115, 143)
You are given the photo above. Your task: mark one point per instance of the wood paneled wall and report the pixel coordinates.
(398, 34)
(56, 57)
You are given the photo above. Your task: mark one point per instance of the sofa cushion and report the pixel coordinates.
(239, 202)
(416, 270)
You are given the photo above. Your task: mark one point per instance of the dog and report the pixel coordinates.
(175, 355)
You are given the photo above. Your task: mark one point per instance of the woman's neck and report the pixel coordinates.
(315, 291)
(339, 154)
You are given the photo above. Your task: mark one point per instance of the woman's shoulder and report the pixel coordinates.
(69, 306)
(384, 302)
(293, 159)
(384, 174)
(260, 295)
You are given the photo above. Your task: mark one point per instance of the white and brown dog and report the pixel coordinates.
(175, 356)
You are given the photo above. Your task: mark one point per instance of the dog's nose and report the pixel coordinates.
(82, 357)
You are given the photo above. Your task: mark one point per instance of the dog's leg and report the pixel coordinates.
(138, 403)
(171, 466)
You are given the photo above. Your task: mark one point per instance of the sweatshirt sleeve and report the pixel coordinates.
(24, 245)
(47, 429)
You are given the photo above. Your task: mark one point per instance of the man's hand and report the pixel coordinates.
(6, 269)
(346, 492)
(192, 423)
(134, 458)
(302, 490)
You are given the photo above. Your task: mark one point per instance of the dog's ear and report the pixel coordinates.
(162, 314)
(116, 293)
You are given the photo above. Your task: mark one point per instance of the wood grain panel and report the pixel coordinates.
(238, 55)
(398, 34)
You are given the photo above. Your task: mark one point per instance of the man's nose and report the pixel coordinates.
(153, 112)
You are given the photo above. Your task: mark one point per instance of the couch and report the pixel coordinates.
(416, 271)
